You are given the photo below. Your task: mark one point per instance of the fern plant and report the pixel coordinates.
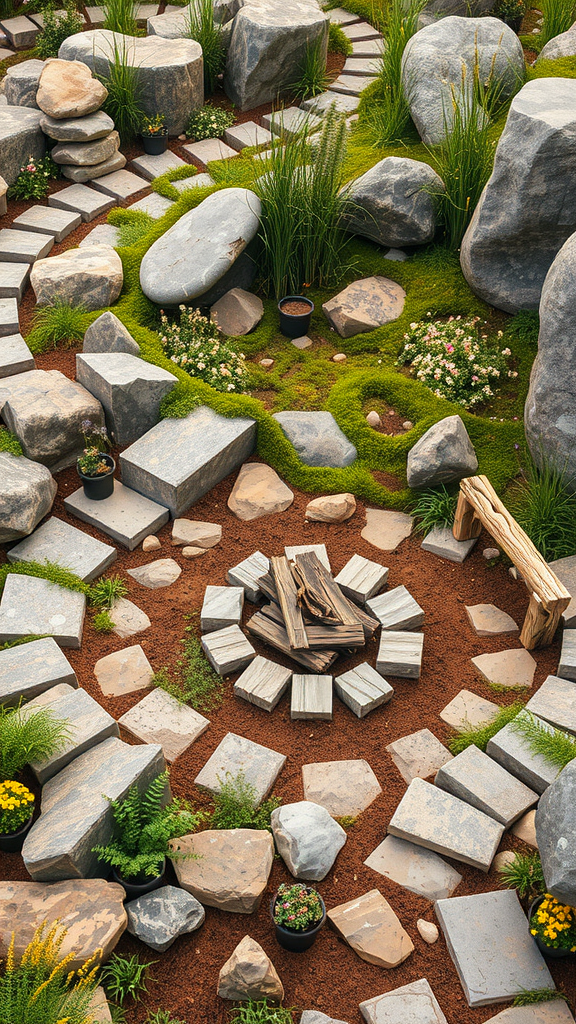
(28, 735)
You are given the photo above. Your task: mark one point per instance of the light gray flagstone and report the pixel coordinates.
(396, 609)
(31, 606)
(477, 778)
(57, 541)
(361, 579)
(414, 868)
(363, 689)
(29, 669)
(311, 697)
(247, 573)
(236, 755)
(126, 516)
(400, 654)
(222, 607)
(228, 650)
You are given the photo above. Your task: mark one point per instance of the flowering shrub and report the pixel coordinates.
(196, 347)
(154, 126)
(454, 360)
(554, 924)
(297, 907)
(96, 440)
(32, 181)
(208, 123)
(16, 806)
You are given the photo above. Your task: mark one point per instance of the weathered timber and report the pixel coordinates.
(268, 587)
(322, 637)
(275, 635)
(319, 594)
(288, 601)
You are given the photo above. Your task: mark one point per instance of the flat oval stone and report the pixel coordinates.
(201, 247)
(78, 129)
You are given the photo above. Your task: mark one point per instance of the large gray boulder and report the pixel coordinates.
(169, 71)
(268, 46)
(563, 45)
(443, 56)
(203, 254)
(108, 334)
(91, 276)
(308, 839)
(556, 835)
(21, 83)
(523, 217)
(129, 389)
(393, 203)
(20, 138)
(443, 453)
(26, 496)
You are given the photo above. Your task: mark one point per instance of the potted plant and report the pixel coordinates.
(95, 467)
(144, 825)
(295, 313)
(553, 927)
(298, 913)
(154, 134)
(16, 813)
(512, 13)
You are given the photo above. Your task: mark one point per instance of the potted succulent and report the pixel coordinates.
(154, 134)
(298, 913)
(295, 313)
(512, 13)
(553, 927)
(95, 467)
(16, 813)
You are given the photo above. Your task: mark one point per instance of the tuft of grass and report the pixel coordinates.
(433, 508)
(124, 100)
(47, 571)
(132, 229)
(120, 16)
(538, 995)
(107, 590)
(313, 77)
(545, 507)
(9, 442)
(558, 17)
(23, 640)
(260, 1012)
(28, 735)
(58, 324)
(555, 746)
(196, 682)
(338, 41)
(125, 977)
(236, 805)
(525, 875)
(205, 30)
(480, 735)
(103, 623)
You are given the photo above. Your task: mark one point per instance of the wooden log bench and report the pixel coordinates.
(479, 506)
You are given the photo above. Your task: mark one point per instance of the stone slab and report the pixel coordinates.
(163, 572)
(13, 280)
(160, 718)
(414, 868)
(418, 755)
(102, 234)
(123, 671)
(411, 1004)
(89, 724)
(386, 530)
(15, 356)
(396, 610)
(311, 697)
(475, 777)
(441, 541)
(360, 30)
(263, 683)
(83, 200)
(195, 533)
(362, 66)
(291, 122)
(209, 149)
(351, 84)
(317, 438)
(152, 166)
(158, 918)
(48, 220)
(120, 184)
(247, 134)
(511, 668)
(361, 579)
(30, 669)
(228, 650)
(567, 665)
(513, 752)
(236, 754)
(488, 620)
(222, 607)
(57, 541)
(97, 15)
(565, 570)
(154, 205)
(338, 16)
(9, 319)
(228, 869)
(129, 388)
(31, 606)
(555, 702)
(126, 516)
(21, 31)
(128, 619)
(371, 928)
(319, 550)
(326, 100)
(367, 47)
(201, 180)
(554, 1012)
(467, 711)
(400, 654)
(363, 689)
(344, 788)
(24, 246)
(247, 573)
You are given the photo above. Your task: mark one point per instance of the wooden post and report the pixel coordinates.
(539, 625)
(466, 523)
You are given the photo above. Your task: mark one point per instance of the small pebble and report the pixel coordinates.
(266, 363)
(513, 572)
(303, 342)
(151, 543)
(373, 419)
(340, 357)
(428, 930)
(407, 425)
(182, 138)
(190, 552)
(490, 553)
(391, 412)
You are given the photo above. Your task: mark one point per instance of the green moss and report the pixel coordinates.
(46, 571)
(22, 640)
(9, 442)
(562, 67)
(338, 41)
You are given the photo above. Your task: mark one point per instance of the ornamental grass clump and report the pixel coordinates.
(16, 806)
(554, 923)
(313, 78)
(29, 734)
(203, 27)
(558, 16)
(543, 502)
(196, 346)
(297, 907)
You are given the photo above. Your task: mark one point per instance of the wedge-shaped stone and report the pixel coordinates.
(160, 718)
(400, 654)
(467, 710)
(88, 203)
(28, 491)
(443, 823)
(363, 689)
(228, 650)
(31, 606)
(258, 491)
(237, 755)
(331, 508)
(247, 573)
(24, 246)
(250, 974)
(30, 669)
(88, 724)
(418, 755)
(488, 620)
(344, 788)
(13, 280)
(108, 334)
(229, 868)
(361, 579)
(57, 541)
(317, 438)
(482, 782)
(75, 812)
(263, 683)
(129, 389)
(365, 305)
(507, 668)
(441, 541)
(126, 516)
(370, 927)
(158, 918)
(123, 671)
(567, 666)
(307, 838)
(512, 750)
(414, 868)
(311, 697)
(555, 702)
(396, 609)
(411, 1004)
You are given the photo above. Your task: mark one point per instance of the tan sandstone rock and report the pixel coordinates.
(258, 491)
(229, 869)
(370, 927)
(194, 533)
(237, 312)
(249, 974)
(67, 89)
(151, 543)
(124, 671)
(333, 508)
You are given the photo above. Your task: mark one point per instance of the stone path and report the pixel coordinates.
(31, 669)
(160, 718)
(513, 752)
(419, 755)
(511, 668)
(475, 777)
(57, 541)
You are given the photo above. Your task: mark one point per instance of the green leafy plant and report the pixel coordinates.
(558, 17)
(16, 805)
(338, 41)
(58, 324)
(160, 1016)
(554, 923)
(58, 25)
(124, 100)
(91, 463)
(28, 735)
(126, 977)
(155, 126)
(236, 805)
(524, 874)
(208, 123)
(297, 907)
(347, 821)
(120, 16)
(544, 505)
(524, 327)
(555, 746)
(196, 346)
(433, 508)
(260, 1012)
(480, 735)
(313, 77)
(205, 30)
(107, 590)
(9, 442)
(33, 180)
(529, 997)
(102, 622)
(196, 682)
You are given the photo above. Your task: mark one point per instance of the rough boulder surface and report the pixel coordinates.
(21, 83)
(158, 918)
(523, 217)
(443, 453)
(250, 974)
(27, 493)
(308, 839)
(20, 138)
(108, 334)
(556, 835)
(67, 89)
(90, 276)
(237, 312)
(258, 491)
(393, 202)
(364, 305)
(563, 45)
(435, 9)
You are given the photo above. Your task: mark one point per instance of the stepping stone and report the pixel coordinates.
(488, 620)
(311, 697)
(222, 607)
(258, 491)
(13, 280)
(129, 389)
(202, 180)
(396, 610)
(57, 541)
(128, 619)
(565, 570)
(400, 654)
(97, 15)
(567, 666)
(145, 11)
(342, 103)
(209, 149)
(360, 30)
(152, 166)
(263, 683)
(301, 343)
(344, 788)
(441, 822)
(247, 134)
(467, 711)
(124, 672)
(441, 541)
(411, 1004)
(120, 184)
(160, 718)
(236, 754)
(364, 305)
(249, 974)
(247, 574)
(83, 200)
(513, 668)
(513, 752)
(554, 1012)
(370, 927)
(525, 829)
(555, 702)
(298, 549)
(31, 606)
(361, 579)
(317, 438)
(494, 954)
(307, 838)
(24, 246)
(126, 516)
(196, 533)
(317, 1017)
(414, 868)
(362, 689)
(363, 66)
(15, 356)
(291, 122)
(386, 530)
(338, 16)
(102, 234)
(161, 573)
(367, 47)
(351, 85)
(158, 918)
(179, 460)
(228, 869)
(30, 669)
(418, 755)
(473, 776)
(21, 32)
(9, 319)
(228, 650)
(76, 811)
(4, 53)
(154, 205)
(48, 221)
(88, 722)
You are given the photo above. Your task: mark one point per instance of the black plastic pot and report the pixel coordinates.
(296, 942)
(102, 486)
(12, 842)
(549, 951)
(295, 325)
(155, 144)
(139, 884)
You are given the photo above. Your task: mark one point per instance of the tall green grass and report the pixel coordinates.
(124, 100)
(313, 78)
(120, 16)
(58, 324)
(205, 30)
(558, 17)
(544, 505)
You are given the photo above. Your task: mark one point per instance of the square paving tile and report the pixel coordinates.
(311, 697)
(13, 280)
(201, 180)
(360, 30)
(263, 683)
(31, 606)
(396, 609)
(400, 654)
(367, 47)
(152, 166)
(477, 778)
(102, 234)
(512, 668)
(441, 541)
(291, 122)
(363, 689)
(386, 530)
(210, 149)
(467, 711)
(48, 220)
(418, 755)
(124, 671)
(344, 788)
(351, 85)
(154, 205)
(247, 134)
(228, 650)
(9, 319)
(555, 702)
(120, 184)
(338, 16)
(247, 573)
(57, 541)
(513, 752)
(361, 579)
(160, 718)
(83, 200)
(414, 868)
(411, 1004)
(222, 607)
(126, 516)
(234, 755)
(567, 666)
(28, 670)
(488, 620)
(24, 246)
(15, 356)
(371, 928)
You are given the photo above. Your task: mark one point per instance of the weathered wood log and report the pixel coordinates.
(322, 637)
(268, 587)
(466, 524)
(319, 594)
(275, 635)
(288, 601)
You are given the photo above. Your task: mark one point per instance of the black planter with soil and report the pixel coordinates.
(12, 842)
(297, 941)
(295, 314)
(139, 884)
(548, 951)
(155, 144)
(102, 486)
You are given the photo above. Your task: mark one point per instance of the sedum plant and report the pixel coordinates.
(297, 907)
(236, 805)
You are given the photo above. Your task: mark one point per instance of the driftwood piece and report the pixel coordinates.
(268, 587)
(275, 635)
(319, 594)
(322, 637)
(288, 601)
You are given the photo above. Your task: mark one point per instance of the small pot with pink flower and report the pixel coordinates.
(298, 913)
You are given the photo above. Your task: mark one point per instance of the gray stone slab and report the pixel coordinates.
(48, 221)
(361, 30)
(311, 697)
(441, 822)
(396, 609)
(30, 669)
(263, 683)
(555, 702)
(418, 755)
(21, 31)
(414, 868)
(83, 200)
(488, 939)
(338, 16)
(9, 319)
(126, 516)
(411, 1004)
(160, 718)
(467, 710)
(24, 246)
(222, 607)
(31, 606)
(319, 550)
(475, 777)
(102, 234)
(247, 134)
(228, 650)
(351, 85)
(512, 668)
(152, 166)
(400, 654)
(20, 138)
(210, 149)
(367, 47)
(15, 356)
(97, 15)
(158, 918)
(440, 541)
(154, 205)
(57, 541)
(567, 666)
(317, 438)
(247, 573)
(326, 100)
(202, 180)
(129, 388)
(235, 754)
(120, 184)
(361, 579)
(291, 122)
(363, 66)
(513, 752)
(179, 460)
(76, 814)
(565, 570)
(13, 280)
(362, 689)
(554, 1012)
(88, 723)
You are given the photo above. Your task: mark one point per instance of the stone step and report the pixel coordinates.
(441, 541)
(31, 606)
(338, 16)
(311, 697)
(222, 607)
(235, 754)
(97, 15)
(152, 166)
(120, 184)
(291, 122)
(202, 180)
(228, 650)
(363, 689)
(102, 234)
(514, 667)
(210, 149)
(418, 755)
(154, 205)
(31, 669)
(48, 220)
(247, 574)
(367, 47)
(20, 31)
(361, 66)
(350, 85)
(247, 134)
(15, 356)
(89, 725)
(510, 749)
(57, 541)
(160, 718)
(4, 55)
(325, 100)
(414, 868)
(129, 388)
(9, 319)
(475, 777)
(565, 570)
(24, 246)
(263, 683)
(360, 30)
(361, 579)
(83, 200)
(14, 280)
(555, 702)
(126, 516)
(396, 609)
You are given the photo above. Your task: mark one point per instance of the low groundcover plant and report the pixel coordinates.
(208, 123)
(196, 347)
(33, 179)
(297, 907)
(16, 806)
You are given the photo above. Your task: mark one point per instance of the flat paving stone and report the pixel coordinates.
(411, 1004)
(565, 570)
(317, 1017)
(15, 356)
(31, 606)
(24, 246)
(400, 654)
(247, 574)
(210, 149)
(228, 868)
(467, 711)
(396, 610)
(160, 573)
(152, 166)
(361, 579)
(371, 928)
(129, 389)
(291, 550)
(386, 530)
(154, 205)
(120, 184)
(311, 697)
(57, 541)
(555, 702)
(488, 620)
(158, 918)
(48, 221)
(21, 31)
(361, 30)
(201, 180)
(88, 724)
(196, 533)
(511, 668)
(126, 516)
(351, 85)
(236, 755)
(513, 752)
(325, 101)
(418, 755)
(494, 954)
(102, 234)
(263, 683)
(363, 66)
(9, 319)
(247, 134)
(13, 280)
(414, 868)
(83, 200)
(222, 607)
(363, 689)
(29, 669)
(228, 650)
(567, 665)
(554, 1012)
(475, 777)
(441, 541)
(124, 671)
(97, 15)
(128, 619)
(338, 16)
(291, 122)
(441, 822)
(367, 47)
(160, 718)
(344, 788)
